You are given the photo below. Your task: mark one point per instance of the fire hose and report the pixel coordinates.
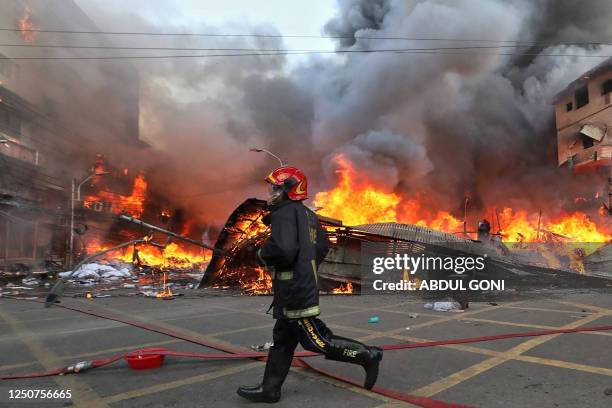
(232, 353)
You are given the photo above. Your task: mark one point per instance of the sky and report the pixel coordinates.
(297, 17)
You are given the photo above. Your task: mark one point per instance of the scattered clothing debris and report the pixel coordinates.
(96, 271)
(446, 306)
(30, 281)
(262, 347)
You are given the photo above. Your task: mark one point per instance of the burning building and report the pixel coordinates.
(47, 132)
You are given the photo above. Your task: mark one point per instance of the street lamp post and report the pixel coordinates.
(280, 161)
(76, 191)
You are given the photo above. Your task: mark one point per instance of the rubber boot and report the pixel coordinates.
(352, 351)
(277, 368)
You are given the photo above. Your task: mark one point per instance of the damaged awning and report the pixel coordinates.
(595, 132)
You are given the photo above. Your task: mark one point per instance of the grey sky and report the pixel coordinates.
(289, 17)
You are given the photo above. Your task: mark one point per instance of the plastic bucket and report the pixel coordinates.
(144, 360)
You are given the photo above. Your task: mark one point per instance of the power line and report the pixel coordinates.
(339, 37)
(264, 54)
(111, 47)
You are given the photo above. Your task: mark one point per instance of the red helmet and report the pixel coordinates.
(291, 180)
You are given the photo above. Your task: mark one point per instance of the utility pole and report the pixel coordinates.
(465, 209)
(75, 195)
(539, 226)
(71, 233)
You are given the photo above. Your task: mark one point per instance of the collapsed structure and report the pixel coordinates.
(348, 265)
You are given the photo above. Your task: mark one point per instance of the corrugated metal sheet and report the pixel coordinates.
(423, 235)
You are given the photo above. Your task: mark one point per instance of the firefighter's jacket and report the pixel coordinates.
(292, 254)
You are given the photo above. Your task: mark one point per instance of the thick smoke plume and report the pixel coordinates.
(438, 125)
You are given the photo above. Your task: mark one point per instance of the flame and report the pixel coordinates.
(26, 26)
(132, 204)
(343, 289)
(260, 286)
(165, 293)
(520, 226)
(249, 231)
(172, 256)
(360, 202)
(356, 203)
(563, 240)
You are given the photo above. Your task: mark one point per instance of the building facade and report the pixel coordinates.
(54, 117)
(583, 112)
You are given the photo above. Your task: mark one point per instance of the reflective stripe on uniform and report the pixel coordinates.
(300, 313)
(314, 270)
(313, 334)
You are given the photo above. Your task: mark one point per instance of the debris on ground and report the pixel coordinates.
(30, 281)
(97, 271)
(445, 306)
(262, 347)
(374, 319)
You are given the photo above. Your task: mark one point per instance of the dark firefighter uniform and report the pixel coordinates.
(292, 254)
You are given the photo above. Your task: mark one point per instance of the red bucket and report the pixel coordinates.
(144, 359)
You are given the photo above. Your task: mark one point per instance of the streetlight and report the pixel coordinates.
(269, 153)
(72, 202)
(86, 179)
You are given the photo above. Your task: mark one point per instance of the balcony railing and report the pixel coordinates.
(592, 154)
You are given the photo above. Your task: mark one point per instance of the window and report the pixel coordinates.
(606, 88)
(582, 97)
(569, 106)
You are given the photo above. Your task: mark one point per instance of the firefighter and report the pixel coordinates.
(293, 252)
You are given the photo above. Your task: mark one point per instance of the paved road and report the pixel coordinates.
(570, 370)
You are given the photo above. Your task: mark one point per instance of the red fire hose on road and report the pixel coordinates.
(234, 353)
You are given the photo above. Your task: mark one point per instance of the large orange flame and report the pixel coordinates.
(132, 204)
(356, 201)
(172, 256)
